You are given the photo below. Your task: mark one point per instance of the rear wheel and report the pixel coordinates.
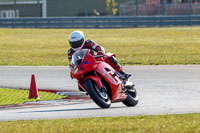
(132, 97)
(99, 95)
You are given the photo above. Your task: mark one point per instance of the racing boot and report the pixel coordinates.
(124, 75)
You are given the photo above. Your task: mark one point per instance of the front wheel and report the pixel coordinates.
(98, 95)
(132, 98)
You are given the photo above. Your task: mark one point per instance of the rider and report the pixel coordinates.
(77, 41)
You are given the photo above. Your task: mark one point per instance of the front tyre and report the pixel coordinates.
(132, 98)
(98, 95)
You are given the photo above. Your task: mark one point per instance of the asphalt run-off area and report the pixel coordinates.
(162, 89)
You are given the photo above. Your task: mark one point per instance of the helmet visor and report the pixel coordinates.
(76, 44)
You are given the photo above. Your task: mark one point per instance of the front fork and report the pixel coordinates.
(95, 78)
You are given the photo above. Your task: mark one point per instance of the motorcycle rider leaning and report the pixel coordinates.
(77, 41)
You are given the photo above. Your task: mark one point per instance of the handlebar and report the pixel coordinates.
(97, 56)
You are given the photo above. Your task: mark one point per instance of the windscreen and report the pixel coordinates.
(78, 56)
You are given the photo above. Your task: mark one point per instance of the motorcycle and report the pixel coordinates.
(98, 79)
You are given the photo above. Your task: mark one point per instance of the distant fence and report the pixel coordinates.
(152, 9)
(101, 22)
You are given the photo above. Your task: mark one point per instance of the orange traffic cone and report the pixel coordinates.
(33, 92)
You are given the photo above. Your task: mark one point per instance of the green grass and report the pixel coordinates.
(188, 123)
(145, 46)
(14, 96)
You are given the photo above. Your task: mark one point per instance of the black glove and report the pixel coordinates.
(100, 53)
(71, 76)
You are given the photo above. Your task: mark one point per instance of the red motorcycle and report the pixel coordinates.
(97, 78)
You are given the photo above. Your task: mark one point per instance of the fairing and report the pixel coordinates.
(83, 63)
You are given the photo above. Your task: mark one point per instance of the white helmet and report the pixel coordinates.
(76, 40)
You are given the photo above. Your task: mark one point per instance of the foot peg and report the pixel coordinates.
(127, 76)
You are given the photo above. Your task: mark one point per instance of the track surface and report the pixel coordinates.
(161, 90)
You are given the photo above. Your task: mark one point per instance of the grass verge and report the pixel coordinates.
(145, 46)
(187, 123)
(14, 96)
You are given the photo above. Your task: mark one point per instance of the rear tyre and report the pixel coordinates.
(99, 95)
(132, 98)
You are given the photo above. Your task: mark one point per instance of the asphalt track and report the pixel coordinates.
(161, 90)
